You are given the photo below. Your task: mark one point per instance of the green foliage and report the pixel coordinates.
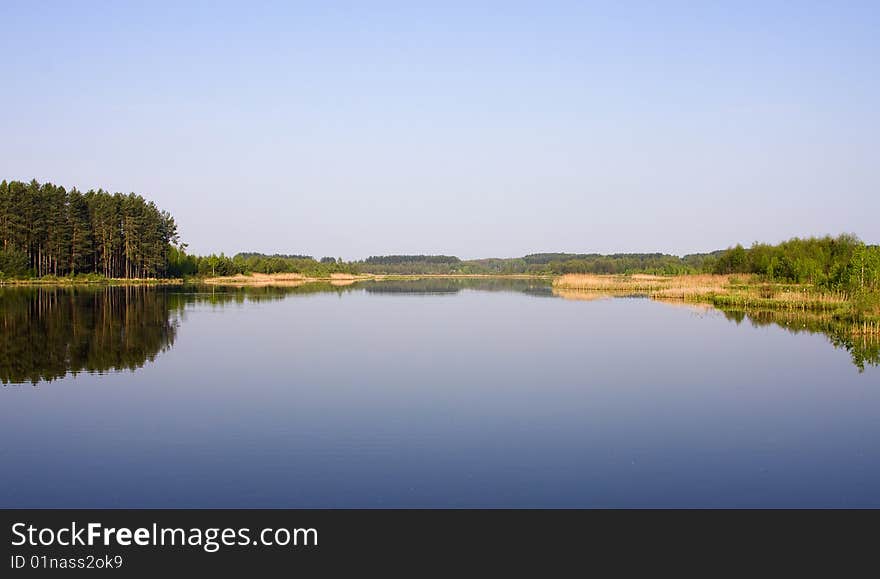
(13, 263)
(397, 259)
(217, 265)
(183, 265)
(862, 272)
(282, 263)
(734, 260)
(65, 233)
(621, 263)
(536, 264)
(180, 264)
(411, 264)
(821, 261)
(865, 302)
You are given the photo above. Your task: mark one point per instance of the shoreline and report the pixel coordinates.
(731, 291)
(69, 282)
(727, 292)
(259, 279)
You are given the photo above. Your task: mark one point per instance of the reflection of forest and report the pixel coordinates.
(50, 331)
(864, 348)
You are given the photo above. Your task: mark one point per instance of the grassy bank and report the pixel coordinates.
(741, 292)
(728, 292)
(86, 279)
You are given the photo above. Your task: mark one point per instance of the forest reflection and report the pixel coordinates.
(49, 332)
(863, 348)
(52, 331)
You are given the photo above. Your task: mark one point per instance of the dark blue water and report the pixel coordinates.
(464, 399)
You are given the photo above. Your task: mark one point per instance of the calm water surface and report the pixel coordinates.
(425, 394)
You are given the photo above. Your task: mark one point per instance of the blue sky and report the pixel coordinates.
(469, 128)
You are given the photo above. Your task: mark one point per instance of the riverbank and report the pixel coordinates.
(88, 280)
(734, 291)
(741, 292)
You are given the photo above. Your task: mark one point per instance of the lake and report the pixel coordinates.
(431, 393)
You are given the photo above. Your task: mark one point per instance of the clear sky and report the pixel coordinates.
(469, 128)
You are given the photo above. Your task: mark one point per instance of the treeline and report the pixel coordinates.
(410, 264)
(47, 230)
(398, 259)
(540, 264)
(619, 263)
(842, 263)
(182, 265)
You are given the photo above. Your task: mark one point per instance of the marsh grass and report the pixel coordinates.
(257, 279)
(682, 287)
(280, 279)
(742, 292)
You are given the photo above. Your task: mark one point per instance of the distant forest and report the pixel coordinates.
(843, 262)
(182, 265)
(49, 231)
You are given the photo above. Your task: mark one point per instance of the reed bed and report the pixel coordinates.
(257, 279)
(683, 287)
(867, 328)
(787, 299)
(281, 279)
(729, 290)
(724, 292)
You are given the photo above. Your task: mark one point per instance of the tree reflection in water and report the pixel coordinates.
(864, 348)
(49, 332)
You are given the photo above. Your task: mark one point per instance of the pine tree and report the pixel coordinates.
(80, 233)
(47, 230)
